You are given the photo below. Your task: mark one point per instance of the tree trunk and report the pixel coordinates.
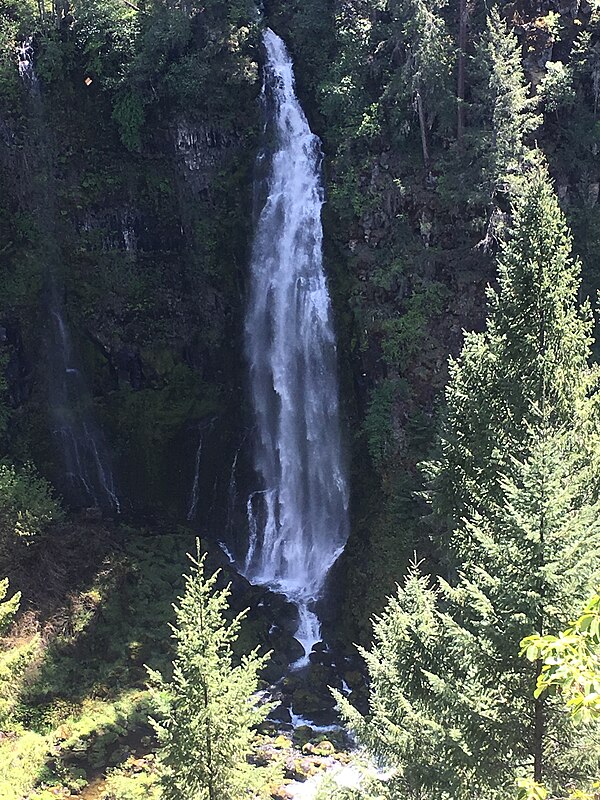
(421, 114)
(538, 739)
(463, 24)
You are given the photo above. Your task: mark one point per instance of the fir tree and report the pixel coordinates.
(452, 704)
(502, 114)
(207, 709)
(420, 34)
(533, 354)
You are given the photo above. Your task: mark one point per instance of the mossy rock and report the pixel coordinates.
(282, 743)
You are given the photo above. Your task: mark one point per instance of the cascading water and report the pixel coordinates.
(298, 520)
(88, 477)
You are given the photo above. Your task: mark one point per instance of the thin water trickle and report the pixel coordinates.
(195, 494)
(298, 520)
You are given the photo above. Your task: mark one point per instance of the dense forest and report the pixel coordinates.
(299, 399)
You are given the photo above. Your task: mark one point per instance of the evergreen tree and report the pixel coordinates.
(533, 355)
(420, 34)
(8, 608)
(207, 710)
(452, 704)
(502, 114)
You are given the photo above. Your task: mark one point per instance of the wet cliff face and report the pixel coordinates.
(151, 251)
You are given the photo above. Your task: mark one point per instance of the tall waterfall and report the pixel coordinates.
(298, 518)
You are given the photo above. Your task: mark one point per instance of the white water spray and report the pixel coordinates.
(25, 56)
(298, 520)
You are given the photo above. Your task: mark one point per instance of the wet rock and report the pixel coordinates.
(302, 735)
(302, 768)
(201, 149)
(283, 613)
(129, 367)
(280, 714)
(281, 793)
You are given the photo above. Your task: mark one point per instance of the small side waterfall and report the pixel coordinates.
(25, 56)
(298, 518)
(88, 475)
(195, 493)
(87, 478)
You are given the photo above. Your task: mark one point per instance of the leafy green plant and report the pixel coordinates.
(571, 663)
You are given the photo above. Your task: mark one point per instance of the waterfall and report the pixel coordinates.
(298, 518)
(195, 493)
(87, 477)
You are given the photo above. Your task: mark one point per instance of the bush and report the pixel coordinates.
(27, 503)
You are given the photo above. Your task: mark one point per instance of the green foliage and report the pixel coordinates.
(342, 95)
(22, 760)
(403, 334)
(378, 421)
(27, 504)
(450, 705)
(129, 115)
(556, 88)
(105, 33)
(368, 789)
(91, 733)
(421, 684)
(8, 608)
(420, 31)
(17, 21)
(451, 708)
(15, 657)
(207, 711)
(137, 779)
(114, 627)
(200, 58)
(586, 61)
(571, 662)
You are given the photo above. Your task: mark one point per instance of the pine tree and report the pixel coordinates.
(207, 709)
(452, 704)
